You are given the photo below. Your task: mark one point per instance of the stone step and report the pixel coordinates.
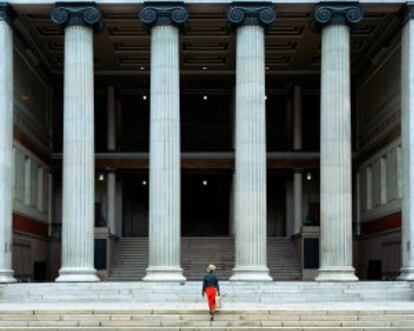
(193, 318)
(261, 293)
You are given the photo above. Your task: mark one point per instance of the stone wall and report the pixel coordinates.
(379, 183)
(378, 103)
(31, 184)
(30, 257)
(32, 178)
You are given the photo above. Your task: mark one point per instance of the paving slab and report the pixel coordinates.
(52, 323)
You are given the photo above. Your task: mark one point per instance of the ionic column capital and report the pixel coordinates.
(164, 13)
(251, 13)
(407, 12)
(77, 14)
(339, 13)
(7, 14)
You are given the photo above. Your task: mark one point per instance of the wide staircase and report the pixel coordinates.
(246, 306)
(197, 319)
(131, 258)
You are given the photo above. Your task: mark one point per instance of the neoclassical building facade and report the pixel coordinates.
(144, 140)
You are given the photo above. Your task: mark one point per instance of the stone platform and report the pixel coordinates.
(190, 292)
(254, 306)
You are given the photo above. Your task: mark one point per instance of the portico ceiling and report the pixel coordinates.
(123, 48)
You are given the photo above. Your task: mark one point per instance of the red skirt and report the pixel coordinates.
(211, 293)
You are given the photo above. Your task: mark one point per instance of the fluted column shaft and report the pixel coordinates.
(335, 154)
(78, 158)
(250, 172)
(6, 150)
(78, 206)
(164, 184)
(250, 21)
(407, 143)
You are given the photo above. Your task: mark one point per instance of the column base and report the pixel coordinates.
(157, 274)
(406, 274)
(251, 274)
(69, 275)
(6, 276)
(338, 274)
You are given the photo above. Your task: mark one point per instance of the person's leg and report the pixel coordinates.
(213, 302)
(211, 296)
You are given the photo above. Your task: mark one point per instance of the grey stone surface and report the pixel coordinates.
(78, 158)
(164, 183)
(158, 295)
(250, 159)
(407, 146)
(335, 163)
(6, 151)
(319, 316)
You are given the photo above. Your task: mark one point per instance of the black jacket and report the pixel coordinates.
(209, 280)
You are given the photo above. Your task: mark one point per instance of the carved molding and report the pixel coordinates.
(344, 13)
(7, 13)
(261, 14)
(164, 13)
(77, 14)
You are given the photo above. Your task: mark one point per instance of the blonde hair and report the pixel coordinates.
(211, 268)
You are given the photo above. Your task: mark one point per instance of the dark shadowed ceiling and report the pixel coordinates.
(123, 48)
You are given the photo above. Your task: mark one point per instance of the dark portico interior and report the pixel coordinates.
(207, 98)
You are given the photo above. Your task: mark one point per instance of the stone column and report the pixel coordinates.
(250, 21)
(111, 174)
(78, 212)
(164, 182)
(110, 201)
(231, 207)
(6, 144)
(119, 206)
(111, 119)
(335, 155)
(297, 146)
(407, 141)
(297, 201)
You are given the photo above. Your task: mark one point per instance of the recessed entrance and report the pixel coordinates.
(135, 205)
(205, 204)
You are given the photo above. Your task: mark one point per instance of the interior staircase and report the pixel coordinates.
(131, 258)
